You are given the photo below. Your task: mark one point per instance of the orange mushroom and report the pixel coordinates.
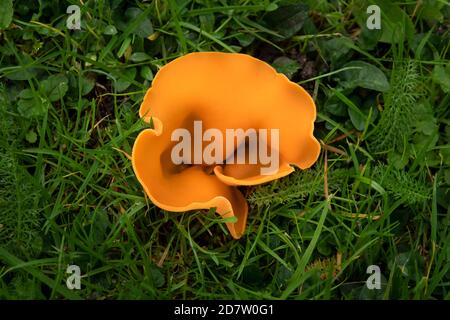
(223, 91)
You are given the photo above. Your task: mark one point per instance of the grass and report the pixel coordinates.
(378, 195)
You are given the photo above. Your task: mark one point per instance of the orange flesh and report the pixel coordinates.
(224, 91)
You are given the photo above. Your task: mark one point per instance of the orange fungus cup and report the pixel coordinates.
(221, 120)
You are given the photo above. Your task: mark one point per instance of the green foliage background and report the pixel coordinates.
(379, 194)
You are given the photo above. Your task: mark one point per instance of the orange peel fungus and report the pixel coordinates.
(223, 91)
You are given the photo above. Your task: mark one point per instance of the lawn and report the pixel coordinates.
(377, 196)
